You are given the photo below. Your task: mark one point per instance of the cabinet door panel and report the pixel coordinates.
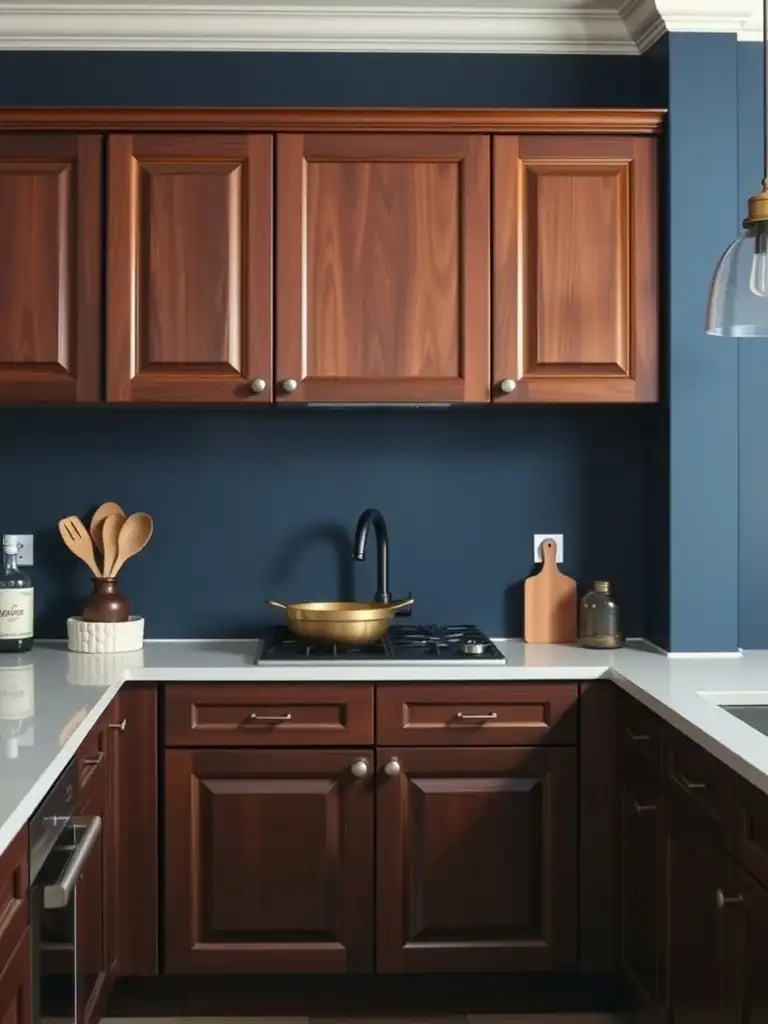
(575, 269)
(746, 913)
(477, 859)
(268, 862)
(383, 268)
(15, 993)
(189, 305)
(50, 276)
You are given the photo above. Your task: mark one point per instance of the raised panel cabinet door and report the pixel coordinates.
(575, 289)
(50, 274)
(133, 832)
(745, 906)
(643, 893)
(15, 978)
(383, 268)
(698, 938)
(268, 861)
(476, 859)
(189, 254)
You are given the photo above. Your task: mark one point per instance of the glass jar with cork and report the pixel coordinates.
(600, 618)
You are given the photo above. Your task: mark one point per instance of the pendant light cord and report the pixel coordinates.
(765, 95)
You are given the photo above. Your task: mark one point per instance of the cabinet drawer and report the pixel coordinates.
(698, 780)
(14, 885)
(92, 754)
(268, 716)
(484, 714)
(750, 834)
(640, 733)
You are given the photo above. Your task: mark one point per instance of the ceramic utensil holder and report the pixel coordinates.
(105, 637)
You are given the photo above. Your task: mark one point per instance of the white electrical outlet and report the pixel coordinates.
(26, 548)
(538, 540)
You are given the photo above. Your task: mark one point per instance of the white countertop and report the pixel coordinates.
(57, 696)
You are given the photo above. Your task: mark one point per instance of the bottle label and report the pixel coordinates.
(17, 613)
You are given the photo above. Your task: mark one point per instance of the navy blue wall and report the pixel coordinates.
(464, 490)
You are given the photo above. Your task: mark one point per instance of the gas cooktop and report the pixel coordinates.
(450, 645)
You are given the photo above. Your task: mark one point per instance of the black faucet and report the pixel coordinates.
(373, 516)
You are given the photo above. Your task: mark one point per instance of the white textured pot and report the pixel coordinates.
(105, 637)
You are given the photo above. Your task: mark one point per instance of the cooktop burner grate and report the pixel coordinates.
(404, 643)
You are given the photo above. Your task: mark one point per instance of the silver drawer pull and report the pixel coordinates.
(93, 762)
(637, 737)
(644, 808)
(118, 725)
(691, 785)
(256, 717)
(722, 900)
(477, 718)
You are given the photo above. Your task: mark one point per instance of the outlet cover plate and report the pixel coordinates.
(538, 540)
(26, 549)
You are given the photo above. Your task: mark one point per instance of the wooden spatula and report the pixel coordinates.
(78, 540)
(550, 602)
(109, 508)
(134, 537)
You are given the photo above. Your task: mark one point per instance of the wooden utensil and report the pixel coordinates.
(133, 538)
(550, 602)
(109, 508)
(79, 542)
(110, 531)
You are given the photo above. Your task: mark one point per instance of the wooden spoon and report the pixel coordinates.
(77, 539)
(134, 537)
(109, 508)
(110, 532)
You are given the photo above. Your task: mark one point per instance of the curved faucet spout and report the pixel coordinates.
(372, 516)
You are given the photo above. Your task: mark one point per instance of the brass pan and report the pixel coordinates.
(340, 622)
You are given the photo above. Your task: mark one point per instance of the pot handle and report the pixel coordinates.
(278, 604)
(397, 605)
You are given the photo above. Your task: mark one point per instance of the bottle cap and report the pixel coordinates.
(602, 586)
(10, 543)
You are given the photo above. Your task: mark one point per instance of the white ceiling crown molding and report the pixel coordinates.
(625, 27)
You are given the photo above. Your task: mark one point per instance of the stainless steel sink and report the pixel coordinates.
(755, 715)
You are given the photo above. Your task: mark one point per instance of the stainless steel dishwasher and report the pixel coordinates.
(61, 845)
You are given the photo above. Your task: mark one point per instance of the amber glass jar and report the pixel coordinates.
(599, 618)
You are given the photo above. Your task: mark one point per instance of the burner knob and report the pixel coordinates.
(360, 768)
(392, 767)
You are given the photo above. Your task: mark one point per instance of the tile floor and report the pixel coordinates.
(473, 1018)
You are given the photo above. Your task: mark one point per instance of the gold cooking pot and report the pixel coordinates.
(340, 622)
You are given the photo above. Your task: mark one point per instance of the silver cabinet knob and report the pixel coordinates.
(360, 768)
(392, 767)
(508, 385)
(721, 899)
(290, 384)
(118, 725)
(257, 385)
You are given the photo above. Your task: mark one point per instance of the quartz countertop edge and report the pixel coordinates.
(78, 688)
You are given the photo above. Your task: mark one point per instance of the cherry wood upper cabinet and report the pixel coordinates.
(383, 268)
(268, 862)
(477, 859)
(189, 293)
(50, 276)
(575, 314)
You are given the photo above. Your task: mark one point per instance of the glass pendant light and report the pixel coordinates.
(738, 295)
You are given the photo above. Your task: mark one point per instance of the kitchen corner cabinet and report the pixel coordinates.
(575, 293)
(189, 268)
(15, 962)
(383, 268)
(51, 271)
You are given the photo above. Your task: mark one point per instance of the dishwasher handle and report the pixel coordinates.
(58, 895)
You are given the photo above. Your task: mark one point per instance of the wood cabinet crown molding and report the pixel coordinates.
(505, 26)
(604, 121)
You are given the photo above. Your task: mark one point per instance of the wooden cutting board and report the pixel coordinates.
(550, 602)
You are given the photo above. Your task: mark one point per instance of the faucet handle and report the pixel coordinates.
(408, 610)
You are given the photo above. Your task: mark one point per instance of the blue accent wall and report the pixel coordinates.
(463, 490)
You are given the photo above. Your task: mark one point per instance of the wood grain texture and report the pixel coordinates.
(189, 255)
(618, 121)
(15, 988)
(50, 280)
(383, 264)
(549, 603)
(324, 714)
(14, 901)
(268, 862)
(430, 715)
(135, 868)
(576, 315)
(477, 860)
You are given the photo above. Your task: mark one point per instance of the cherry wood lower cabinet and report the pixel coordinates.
(476, 859)
(15, 979)
(268, 861)
(14, 933)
